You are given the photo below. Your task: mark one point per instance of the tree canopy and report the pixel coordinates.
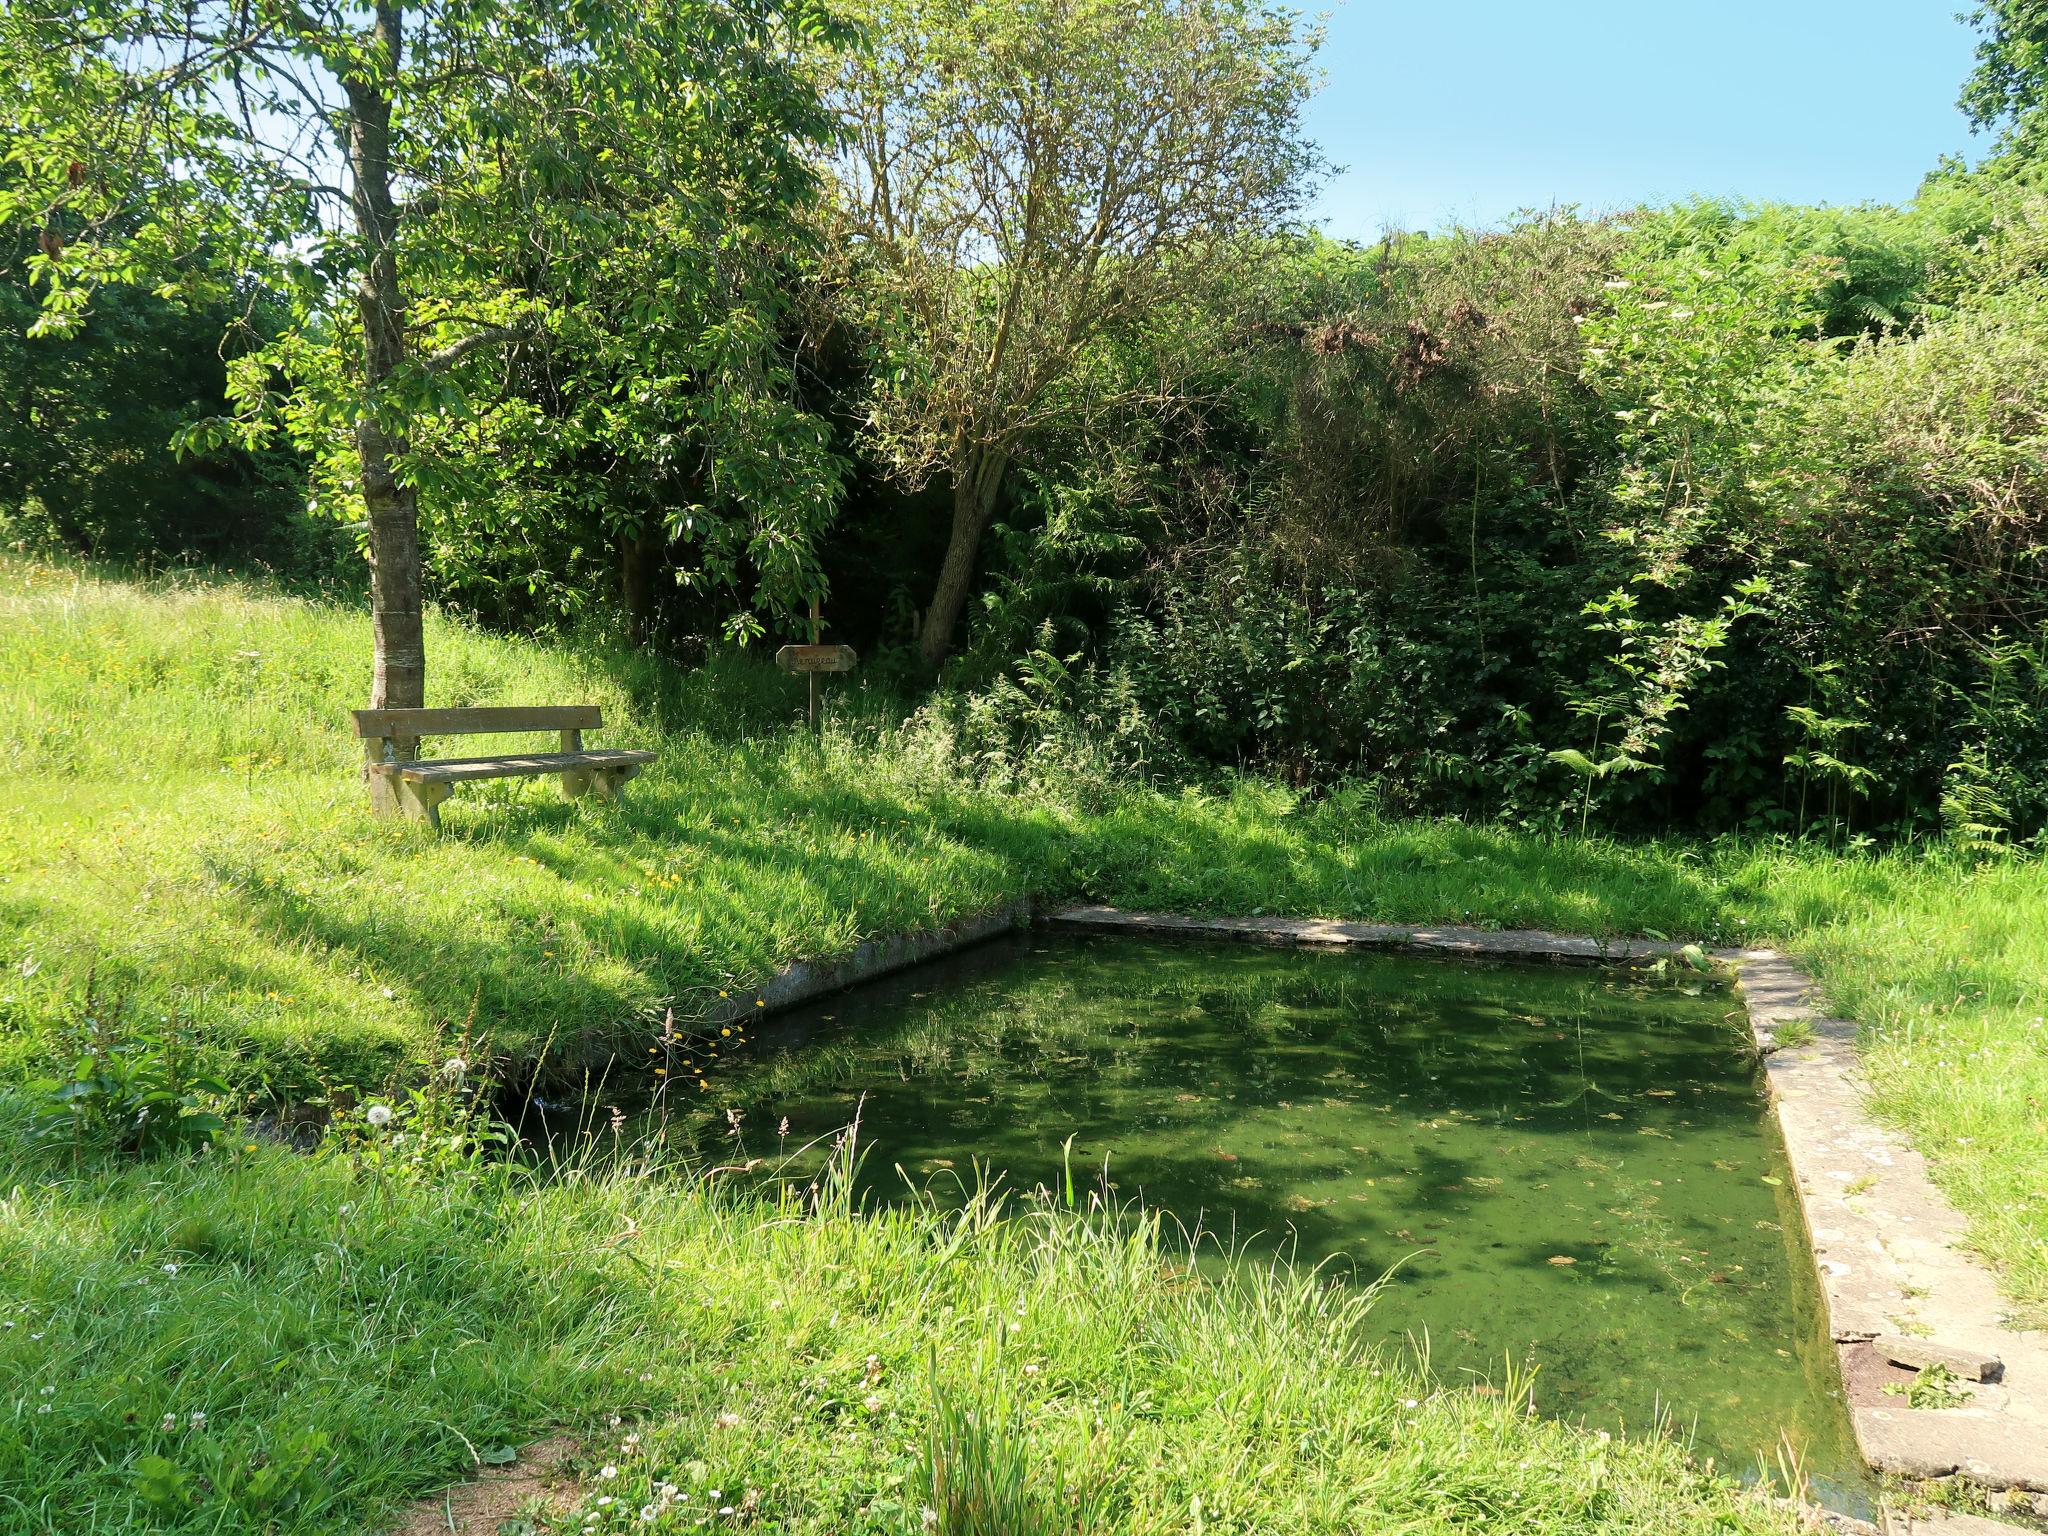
(1020, 179)
(441, 195)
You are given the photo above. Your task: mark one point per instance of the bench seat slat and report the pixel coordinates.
(457, 770)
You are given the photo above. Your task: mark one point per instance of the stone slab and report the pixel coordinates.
(807, 980)
(1921, 1354)
(1947, 1523)
(1893, 1258)
(1318, 932)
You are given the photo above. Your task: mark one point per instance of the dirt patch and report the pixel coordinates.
(497, 1494)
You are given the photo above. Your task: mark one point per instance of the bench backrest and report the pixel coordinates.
(485, 721)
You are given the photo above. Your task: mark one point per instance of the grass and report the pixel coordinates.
(180, 822)
(262, 1341)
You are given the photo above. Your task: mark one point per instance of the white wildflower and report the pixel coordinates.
(378, 1114)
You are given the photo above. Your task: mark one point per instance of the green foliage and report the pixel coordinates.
(2009, 87)
(1932, 1386)
(981, 1476)
(1399, 482)
(86, 426)
(558, 297)
(130, 1089)
(438, 1129)
(1015, 183)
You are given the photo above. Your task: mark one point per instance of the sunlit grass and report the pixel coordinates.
(218, 1315)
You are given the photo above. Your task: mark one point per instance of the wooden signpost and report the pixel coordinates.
(816, 658)
(813, 659)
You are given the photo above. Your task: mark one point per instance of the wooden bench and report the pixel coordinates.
(404, 784)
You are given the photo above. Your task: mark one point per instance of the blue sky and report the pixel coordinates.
(1465, 110)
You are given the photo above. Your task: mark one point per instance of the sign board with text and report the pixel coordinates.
(816, 658)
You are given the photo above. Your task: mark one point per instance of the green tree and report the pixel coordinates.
(1021, 179)
(430, 184)
(2009, 86)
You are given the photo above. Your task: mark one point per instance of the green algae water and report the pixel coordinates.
(1563, 1169)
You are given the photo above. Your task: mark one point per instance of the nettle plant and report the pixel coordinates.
(1828, 724)
(134, 1090)
(1647, 674)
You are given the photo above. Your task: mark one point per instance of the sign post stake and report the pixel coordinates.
(811, 677)
(813, 659)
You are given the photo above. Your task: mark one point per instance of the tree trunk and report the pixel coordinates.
(399, 679)
(639, 562)
(976, 479)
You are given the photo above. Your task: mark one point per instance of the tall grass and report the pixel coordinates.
(804, 1366)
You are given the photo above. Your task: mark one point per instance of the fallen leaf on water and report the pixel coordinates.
(1561, 1258)
(1772, 1179)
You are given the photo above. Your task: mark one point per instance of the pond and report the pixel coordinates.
(1570, 1169)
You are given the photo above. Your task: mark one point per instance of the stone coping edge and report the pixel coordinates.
(804, 981)
(1889, 1250)
(1896, 1268)
(1329, 933)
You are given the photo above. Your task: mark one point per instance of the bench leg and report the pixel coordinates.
(422, 802)
(387, 798)
(577, 782)
(384, 799)
(610, 783)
